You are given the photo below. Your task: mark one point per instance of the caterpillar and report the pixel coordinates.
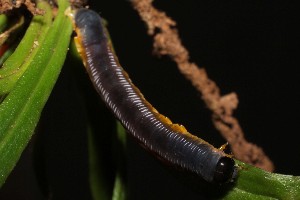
(170, 142)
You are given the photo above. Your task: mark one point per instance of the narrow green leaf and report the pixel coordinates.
(98, 181)
(255, 183)
(119, 191)
(6, 55)
(3, 22)
(121, 133)
(21, 109)
(17, 63)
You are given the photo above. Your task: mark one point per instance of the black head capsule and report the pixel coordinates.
(225, 170)
(90, 25)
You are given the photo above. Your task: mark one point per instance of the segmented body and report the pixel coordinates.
(170, 142)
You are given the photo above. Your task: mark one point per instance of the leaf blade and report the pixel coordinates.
(21, 109)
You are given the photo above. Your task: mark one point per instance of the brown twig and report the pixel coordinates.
(167, 42)
(6, 5)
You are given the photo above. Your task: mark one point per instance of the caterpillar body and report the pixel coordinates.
(172, 143)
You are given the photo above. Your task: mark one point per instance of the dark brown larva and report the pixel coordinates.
(170, 142)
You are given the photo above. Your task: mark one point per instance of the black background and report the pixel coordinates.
(247, 47)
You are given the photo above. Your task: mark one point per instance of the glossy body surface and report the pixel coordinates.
(172, 143)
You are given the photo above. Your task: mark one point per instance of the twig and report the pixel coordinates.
(167, 42)
(6, 5)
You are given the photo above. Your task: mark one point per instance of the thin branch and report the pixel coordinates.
(6, 5)
(167, 42)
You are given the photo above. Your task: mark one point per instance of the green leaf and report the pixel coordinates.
(22, 107)
(119, 191)
(3, 22)
(99, 183)
(255, 183)
(6, 55)
(17, 63)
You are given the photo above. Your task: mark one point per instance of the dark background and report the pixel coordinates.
(247, 47)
